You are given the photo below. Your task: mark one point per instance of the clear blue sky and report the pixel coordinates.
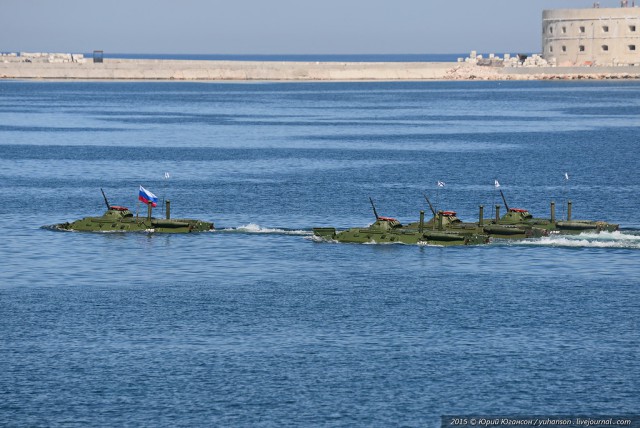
(277, 26)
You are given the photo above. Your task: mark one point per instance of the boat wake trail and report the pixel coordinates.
(257, 229)
(627, 239)
(322, 240)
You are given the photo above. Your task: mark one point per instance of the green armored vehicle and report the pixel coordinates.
(120, 219)
(502, 228)
(523, 218)
(517, 223)
(389, 230)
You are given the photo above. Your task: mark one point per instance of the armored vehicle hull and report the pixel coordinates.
(387, 230)
(121, 219)
(517, 223)
(124, 221)
(369, 236)
(523, 218)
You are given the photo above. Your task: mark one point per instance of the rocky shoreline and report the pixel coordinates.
(475, 72)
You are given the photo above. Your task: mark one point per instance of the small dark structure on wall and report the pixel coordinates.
(98, 56)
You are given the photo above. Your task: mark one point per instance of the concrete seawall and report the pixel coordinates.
(127, 69)
(224, 70)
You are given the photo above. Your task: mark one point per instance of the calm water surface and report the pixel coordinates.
(258, 324)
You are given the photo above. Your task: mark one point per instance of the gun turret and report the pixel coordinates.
(430, 206)
(374, 208)
(106, 201)
(504, 200)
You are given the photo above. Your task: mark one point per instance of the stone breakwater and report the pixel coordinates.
(135, 69)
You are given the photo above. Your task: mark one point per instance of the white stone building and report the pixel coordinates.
(595, 36)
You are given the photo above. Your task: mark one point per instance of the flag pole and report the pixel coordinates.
(439, 184)
(566, 181)
(164, 192)
(496, 185)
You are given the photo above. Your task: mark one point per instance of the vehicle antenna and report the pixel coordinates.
(504, 200)
(106, 201)
(430, 206)
(374, 208)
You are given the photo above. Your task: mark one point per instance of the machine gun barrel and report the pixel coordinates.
(504, 200)
(430, 206)
(106, 201)
(374, 208)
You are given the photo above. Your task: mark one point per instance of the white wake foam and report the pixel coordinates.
(315, 238)
(256, 228)
(593, 240)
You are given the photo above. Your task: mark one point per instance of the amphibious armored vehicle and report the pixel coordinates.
(390, 230)
(121, 219)
(523, 218)
(517, 223)
(503, 228)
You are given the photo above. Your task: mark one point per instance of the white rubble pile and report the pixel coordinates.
(43, 57)
(507, 60)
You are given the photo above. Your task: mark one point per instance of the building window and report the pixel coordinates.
(564, 30)
(605, 28)
(581, 29)
(581, 48)
(605, 48)
(632, 47)
(564, 48)
(550, 49)
(550, 29)
(632, 28)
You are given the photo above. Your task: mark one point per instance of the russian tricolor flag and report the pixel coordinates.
(147, 197)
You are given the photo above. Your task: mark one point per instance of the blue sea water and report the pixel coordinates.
(257, 323)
